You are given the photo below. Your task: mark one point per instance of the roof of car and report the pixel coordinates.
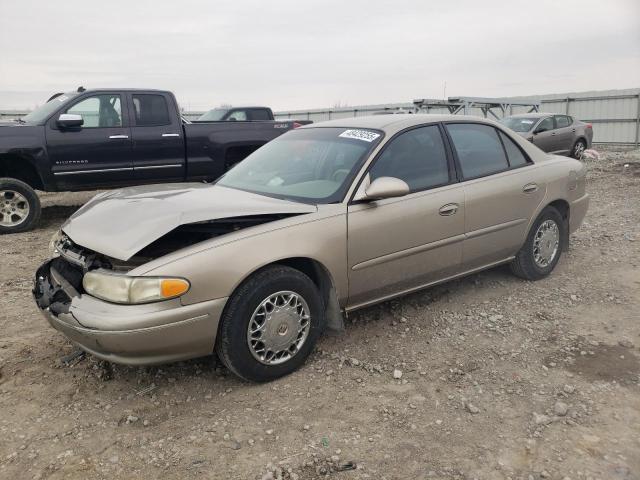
(394, 123)
(533, 115)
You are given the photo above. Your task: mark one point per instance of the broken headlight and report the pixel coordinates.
(132, 290)
(56, 239)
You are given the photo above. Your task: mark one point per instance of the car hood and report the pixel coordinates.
(120, 223)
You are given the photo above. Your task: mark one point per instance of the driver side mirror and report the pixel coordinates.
(69, 120)
(540, 129)
(386, 187)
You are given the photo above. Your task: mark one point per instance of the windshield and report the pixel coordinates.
(519, 124)
(40, 114)
(213, 115)
(313, 165)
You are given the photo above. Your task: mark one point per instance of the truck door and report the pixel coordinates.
(157, 134)
(98, 152)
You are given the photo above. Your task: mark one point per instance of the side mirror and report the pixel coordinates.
(386, 187)
(69, 120)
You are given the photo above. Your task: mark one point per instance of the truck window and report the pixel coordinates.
(99, 111)
(150, 110)
(260, 114)
(239, 115)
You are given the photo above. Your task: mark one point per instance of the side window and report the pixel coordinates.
(260, 114)
(99, 111)
(515, 155)
(238, 115)
(150, 110)
(418, 157)
(562, 121)
(479, 149)
(545, 125)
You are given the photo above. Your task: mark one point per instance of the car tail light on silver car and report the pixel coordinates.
(125, 289)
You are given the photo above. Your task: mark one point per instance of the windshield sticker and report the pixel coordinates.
(365, 135)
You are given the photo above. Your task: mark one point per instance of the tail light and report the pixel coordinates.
(589, 125)
(296, 125)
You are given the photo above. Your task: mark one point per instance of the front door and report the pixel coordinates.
(544, 135)
(399, 244)
(98, 152)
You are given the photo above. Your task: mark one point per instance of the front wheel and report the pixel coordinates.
(19, 206)
(541, 251)
(270, 325)
(578, 149)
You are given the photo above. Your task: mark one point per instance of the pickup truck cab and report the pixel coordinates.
(107, 138)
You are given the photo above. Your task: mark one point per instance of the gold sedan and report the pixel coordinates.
(324, 220)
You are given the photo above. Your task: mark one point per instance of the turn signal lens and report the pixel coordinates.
(173, 287)
(132, 290)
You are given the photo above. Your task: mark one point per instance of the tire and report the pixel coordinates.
(578, 149)
(529, 262)
(247, 305)
(16, 198)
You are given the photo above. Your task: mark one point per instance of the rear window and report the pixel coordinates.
(562, 121)
(478, 148)
(516, 157)
(150, 110)
(260, 114)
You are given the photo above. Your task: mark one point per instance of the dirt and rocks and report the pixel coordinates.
(488, 377)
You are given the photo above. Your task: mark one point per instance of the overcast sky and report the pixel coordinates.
(311, 53)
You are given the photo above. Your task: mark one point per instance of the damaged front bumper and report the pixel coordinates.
(147, 334)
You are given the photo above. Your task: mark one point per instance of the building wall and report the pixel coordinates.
(615, 114)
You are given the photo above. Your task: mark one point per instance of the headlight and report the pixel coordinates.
(133, 290)
(55, 240)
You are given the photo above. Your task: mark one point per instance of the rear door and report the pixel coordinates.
(502, 191)
(399, 244)
(564, 133)
(158, 143)
(544, 135)
(98, 152)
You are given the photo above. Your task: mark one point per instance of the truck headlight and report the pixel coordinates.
(124, 289)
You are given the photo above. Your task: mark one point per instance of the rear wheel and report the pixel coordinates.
(578, 149)
(19, 206)
(270, 325)
(541, 252)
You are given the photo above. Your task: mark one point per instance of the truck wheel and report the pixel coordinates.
(270, 324)
(19, 206)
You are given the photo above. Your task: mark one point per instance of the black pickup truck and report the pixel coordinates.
(108, 138)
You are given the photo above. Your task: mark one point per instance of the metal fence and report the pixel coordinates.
(615, 114)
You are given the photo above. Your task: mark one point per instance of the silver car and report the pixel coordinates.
(553, 133)
(322, 221)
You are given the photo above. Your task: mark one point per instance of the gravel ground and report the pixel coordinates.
(489, 377)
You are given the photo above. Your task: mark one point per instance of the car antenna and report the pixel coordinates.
(81, 89)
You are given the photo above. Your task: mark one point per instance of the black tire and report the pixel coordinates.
(11, 186)
(578, 149)
(232, 340)
(525, 265)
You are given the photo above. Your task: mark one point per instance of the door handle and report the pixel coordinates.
(553, 134)
(448, 209)
(530, 188)
(170, 134)
(116, 137)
